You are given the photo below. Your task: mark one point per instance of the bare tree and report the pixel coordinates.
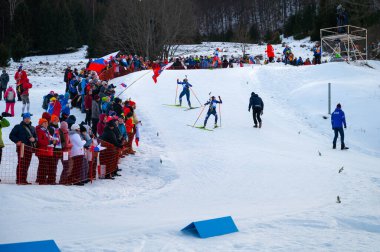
(151, 28)
(12, 8)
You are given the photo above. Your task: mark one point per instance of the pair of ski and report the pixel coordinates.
(202, 127)
(179, 106)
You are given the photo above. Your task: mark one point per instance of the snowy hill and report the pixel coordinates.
(272, 181)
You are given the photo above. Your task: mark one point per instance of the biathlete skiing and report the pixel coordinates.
(212, 110)
(185, 91)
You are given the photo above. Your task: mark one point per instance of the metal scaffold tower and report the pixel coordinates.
(344, 43)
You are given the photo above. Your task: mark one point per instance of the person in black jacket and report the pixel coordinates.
(109, 134)
(4, 79)
(24, 134)
(117, 107)
(257, 105)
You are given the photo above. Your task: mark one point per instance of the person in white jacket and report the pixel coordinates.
(77, 155)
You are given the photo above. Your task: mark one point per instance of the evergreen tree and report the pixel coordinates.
(4, 56)
(19, 47)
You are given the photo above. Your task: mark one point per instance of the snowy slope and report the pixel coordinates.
(272, 181)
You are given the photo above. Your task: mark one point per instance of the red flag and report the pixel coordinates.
(158, 70)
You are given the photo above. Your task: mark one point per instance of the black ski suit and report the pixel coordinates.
(257, 105)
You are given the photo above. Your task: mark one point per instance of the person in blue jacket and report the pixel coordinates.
(338, 120)
(287, 51)
(185, 91)
(212, 110)
(317, 53)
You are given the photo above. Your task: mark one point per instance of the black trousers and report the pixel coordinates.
(88, 117)
(256, 112)
(95, 126)
(317, 59)
(341, 133)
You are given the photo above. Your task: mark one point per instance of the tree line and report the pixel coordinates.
(154, 28)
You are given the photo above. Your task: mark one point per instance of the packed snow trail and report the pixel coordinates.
(272, 181)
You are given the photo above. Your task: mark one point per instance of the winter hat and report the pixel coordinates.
(82, 128)
(53, 99)
(104, 99)
(253, 93)
(338, 105)
(20, 67)
(61, 96)
(47, 116)
(26, 115)
(75, 127)
(54, 118)
(132, 103)
(41, 121)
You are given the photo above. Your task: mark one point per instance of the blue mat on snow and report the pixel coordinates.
(212, 227)
(36, 246)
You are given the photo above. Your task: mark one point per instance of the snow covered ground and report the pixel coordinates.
(272, 181)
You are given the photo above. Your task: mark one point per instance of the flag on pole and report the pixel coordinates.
(158, 70)
(123, 85)
(97, 65)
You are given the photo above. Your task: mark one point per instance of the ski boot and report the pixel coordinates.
(215, 125)
(260, 124)
(344, 147)
(255, 126)
(334, 146)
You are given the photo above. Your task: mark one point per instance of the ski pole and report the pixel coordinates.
(199, 115)
(132, 83)
(220, 114)
(176, 92)
(195, 96)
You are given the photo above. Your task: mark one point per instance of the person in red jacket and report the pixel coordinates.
(44, 152)
(270, 52)
(24, 92)
(54, 107)
(101, 124)
(88, 107)
(20, 78)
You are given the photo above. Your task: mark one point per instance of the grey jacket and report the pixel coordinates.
(95, 113)
(4, 79)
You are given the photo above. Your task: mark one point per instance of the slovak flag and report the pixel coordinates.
(97, 65)
(123, 85)
(158, 70)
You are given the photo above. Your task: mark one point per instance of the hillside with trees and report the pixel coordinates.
(31, 27)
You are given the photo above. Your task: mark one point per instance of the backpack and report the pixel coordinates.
(11, 95)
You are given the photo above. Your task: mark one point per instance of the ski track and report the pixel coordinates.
(279, 190)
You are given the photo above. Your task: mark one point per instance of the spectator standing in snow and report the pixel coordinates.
(77, 155)
(67, 77)
(24, 93)
(10, 100)
(257, 105)
(338, 120)
(270, 52)
(4, 79)
(24, 133)
(20, 78)
(287, 51)
(95, 113)
(3, 124)
(317, 53)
